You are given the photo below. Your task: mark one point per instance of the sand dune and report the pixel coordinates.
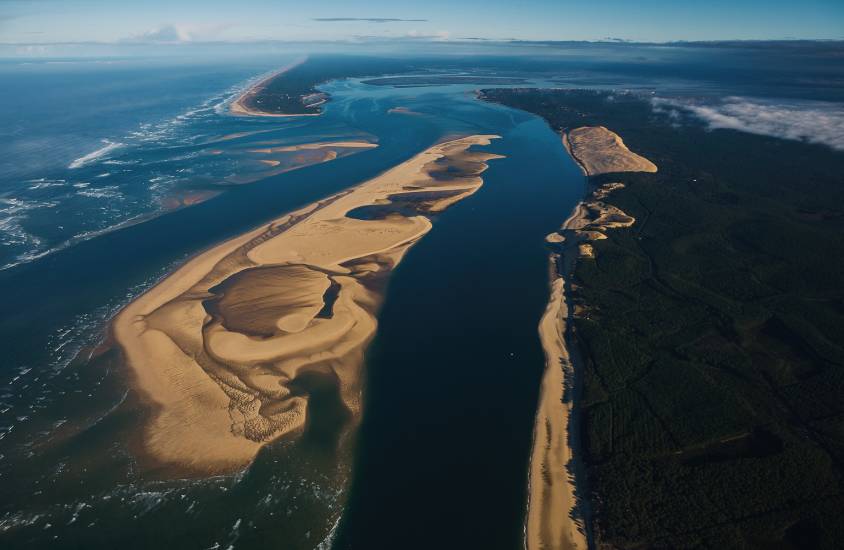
(225, 350)
(601, 151)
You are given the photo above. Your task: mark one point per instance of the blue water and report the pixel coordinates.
(90, 144)
(98, 160)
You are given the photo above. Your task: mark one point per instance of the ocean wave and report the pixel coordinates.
(12, 213)
(36, 253)
(109, 192)
(95, 155)
(44, 183)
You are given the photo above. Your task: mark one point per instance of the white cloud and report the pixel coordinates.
(812, 121)
(178, 33)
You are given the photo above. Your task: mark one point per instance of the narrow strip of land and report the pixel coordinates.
(249, 102)
(554, 520)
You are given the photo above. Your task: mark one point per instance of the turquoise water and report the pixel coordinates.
(97, 156)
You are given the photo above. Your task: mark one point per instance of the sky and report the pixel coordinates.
(172, 21)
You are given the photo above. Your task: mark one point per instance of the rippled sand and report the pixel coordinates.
(227, 349)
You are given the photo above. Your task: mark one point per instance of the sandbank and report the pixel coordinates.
(222, 351)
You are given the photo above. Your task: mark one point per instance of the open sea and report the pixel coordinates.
(113, 171)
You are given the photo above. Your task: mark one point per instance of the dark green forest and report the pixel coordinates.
(712, 342)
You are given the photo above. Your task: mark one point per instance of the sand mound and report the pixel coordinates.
(601, 151)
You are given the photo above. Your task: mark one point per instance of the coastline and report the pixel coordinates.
(556, 519)
(222, 350)
(238, 105)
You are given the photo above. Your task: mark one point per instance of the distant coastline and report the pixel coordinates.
(244, 104)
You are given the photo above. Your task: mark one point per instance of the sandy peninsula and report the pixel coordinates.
(554, 519)
(241, 105)
(226, 349)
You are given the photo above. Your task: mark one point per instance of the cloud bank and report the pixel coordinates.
(812, 121)
(367, 19)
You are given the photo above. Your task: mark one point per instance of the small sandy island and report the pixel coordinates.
(226, 350)
(554, 520)
(244, 104)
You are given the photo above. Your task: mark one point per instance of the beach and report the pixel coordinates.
(226, 349)
(555, 517)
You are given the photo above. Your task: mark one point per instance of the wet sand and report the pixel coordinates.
(555, 518)
(225, 350)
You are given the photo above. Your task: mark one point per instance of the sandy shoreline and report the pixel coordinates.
(225, 350)
(555, 518)
(239, 107)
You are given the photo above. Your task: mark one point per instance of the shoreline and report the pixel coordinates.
(556, 519)
(222, 350)
(239, 107)
(557, 515)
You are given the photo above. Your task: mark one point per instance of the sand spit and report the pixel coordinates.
(601, 151)
(239, 106)
(227, 349)
(555, 518)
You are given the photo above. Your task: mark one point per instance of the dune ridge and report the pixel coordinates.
(226, 350)
(555, 519)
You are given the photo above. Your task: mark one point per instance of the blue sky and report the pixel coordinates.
(28, 21)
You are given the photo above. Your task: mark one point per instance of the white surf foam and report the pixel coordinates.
(95, 155)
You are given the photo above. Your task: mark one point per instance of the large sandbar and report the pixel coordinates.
(223, 349)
